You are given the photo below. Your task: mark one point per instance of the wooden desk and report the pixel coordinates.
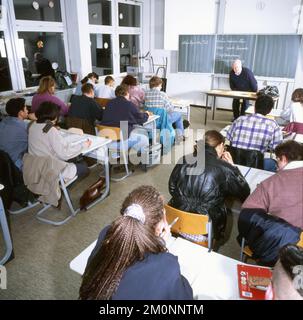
(151, 125)
(211, 275)
(229, 94)
(182, 106)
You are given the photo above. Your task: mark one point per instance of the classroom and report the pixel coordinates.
(151, 150)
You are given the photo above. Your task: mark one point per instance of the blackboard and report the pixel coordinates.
(232, 47)
(196, 53)
(277, 55)
(265, 55)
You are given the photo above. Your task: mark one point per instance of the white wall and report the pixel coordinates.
(193, 17)
(238, 16)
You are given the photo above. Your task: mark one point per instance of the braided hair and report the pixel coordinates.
(126, 242)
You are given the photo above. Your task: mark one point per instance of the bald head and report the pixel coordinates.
(237, 66)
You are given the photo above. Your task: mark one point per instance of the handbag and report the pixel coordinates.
(92, 193)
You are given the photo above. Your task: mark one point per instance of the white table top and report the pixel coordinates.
(254, 176)
(211, 275)
(97, 142)
(150, 119)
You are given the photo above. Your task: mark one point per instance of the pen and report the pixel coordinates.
(170, 225)
(247, 172)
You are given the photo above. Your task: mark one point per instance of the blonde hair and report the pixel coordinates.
(45, 84)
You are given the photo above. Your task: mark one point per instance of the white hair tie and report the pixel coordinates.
(135, 211)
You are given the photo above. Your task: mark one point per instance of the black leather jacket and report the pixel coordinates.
(205, 193)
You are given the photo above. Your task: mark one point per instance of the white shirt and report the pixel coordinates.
(294, 113)
(105, 92)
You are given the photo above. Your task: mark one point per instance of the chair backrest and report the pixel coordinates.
(248, 158)
(75, 130)
(102, 102)
(300, 243)
(113, 133)
(191, 223)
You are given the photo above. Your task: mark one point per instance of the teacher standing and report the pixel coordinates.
(241, 79)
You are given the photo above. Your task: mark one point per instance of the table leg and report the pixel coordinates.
(107, 180)
(154, 132)
(206, 106)
(214, 107)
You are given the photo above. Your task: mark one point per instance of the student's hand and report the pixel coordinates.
(149, 113)
(87, 143)
(226, 156)
(166, 233)
(32, 116)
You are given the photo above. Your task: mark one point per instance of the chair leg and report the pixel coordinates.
(6, 235)
(73, 212)
(210, 237)
(242, 250)
(128, 173)
(22, 210)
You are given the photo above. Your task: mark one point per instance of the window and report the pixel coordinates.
(129, 48)
(5, 78)
(129, 15)
(40, 10)
(101, 50)
(99, 12)
(38, 50)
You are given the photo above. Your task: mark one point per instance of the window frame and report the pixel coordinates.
(11, 34)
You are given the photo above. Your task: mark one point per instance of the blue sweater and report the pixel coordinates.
(156, 277)
(245, 81)
(121, 109)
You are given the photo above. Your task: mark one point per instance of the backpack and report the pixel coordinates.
(272, 91)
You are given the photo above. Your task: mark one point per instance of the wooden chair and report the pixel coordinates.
(102, 102)
(117, 147)
(191, 223)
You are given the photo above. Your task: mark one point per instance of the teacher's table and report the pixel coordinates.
(229, 94)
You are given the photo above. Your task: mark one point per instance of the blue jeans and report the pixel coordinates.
(176, 117)
(270, 165)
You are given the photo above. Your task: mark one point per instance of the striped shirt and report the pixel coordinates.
(255, 132)
(158, 99)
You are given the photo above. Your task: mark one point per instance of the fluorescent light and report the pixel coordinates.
(2, 49)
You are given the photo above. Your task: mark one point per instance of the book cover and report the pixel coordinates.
(254, 281)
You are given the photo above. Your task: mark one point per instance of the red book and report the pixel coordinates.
(254, 282)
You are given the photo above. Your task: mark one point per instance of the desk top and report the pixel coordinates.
(97, 142)
(254, 176)
(211, 275)
(150, 119)
(234, 94)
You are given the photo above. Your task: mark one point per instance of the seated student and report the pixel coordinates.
(121, 109)
(287, 275)
(256, 132)
(205, 190)
(84, 111)
(45, 140)
(13, 131)
(130, 260)
(294, 114)
(136, 94)
(155, 98)
(265, 234)
(91, 78)
(45, 93)
(281, 194)
(107, 90)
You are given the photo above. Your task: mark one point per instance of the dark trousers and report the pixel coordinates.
(236, 107)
